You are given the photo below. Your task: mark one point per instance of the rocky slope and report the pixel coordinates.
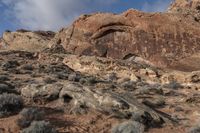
(131, 72)
(78, 94)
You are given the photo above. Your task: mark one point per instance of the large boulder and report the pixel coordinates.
(119, 105)
(41, 92)
(170, 39)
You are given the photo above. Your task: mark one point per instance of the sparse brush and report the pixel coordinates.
(28, 115)
(195, 129)
(10, 104)
(39, 127)
(129, 127)
(173, 85)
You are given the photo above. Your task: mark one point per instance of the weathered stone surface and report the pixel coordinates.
(181, 77)
(110, 102)
(164, 39)
(25, 40)
(41, 92)
(187, 7)
(104, 66)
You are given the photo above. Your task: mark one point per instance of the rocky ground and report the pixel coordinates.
(94, 94)
(84, 79)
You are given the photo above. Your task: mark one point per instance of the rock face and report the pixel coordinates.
(181, 5)
(190, 8)
(165, 39)
(25, 40)
(42, 92)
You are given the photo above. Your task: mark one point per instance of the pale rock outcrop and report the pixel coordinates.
(25, 40)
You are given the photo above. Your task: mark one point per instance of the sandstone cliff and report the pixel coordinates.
(170, 39)
(166, 39)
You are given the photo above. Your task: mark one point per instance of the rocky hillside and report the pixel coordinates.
(132, 72)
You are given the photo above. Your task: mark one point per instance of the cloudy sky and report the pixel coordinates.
(54, 14)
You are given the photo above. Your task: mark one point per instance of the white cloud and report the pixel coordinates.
(53, 14)
(158, 6)
(49, 14)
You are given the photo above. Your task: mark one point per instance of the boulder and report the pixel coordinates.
(42, 92)
(112, 103)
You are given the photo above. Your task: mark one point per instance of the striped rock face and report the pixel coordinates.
(170, 40)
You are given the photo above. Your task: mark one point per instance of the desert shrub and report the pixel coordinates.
(128, 127)
(10, 64)
(39, 127)
(10, 104)
(173, 85)
(28, 115)
(195, 129)
(146, 119)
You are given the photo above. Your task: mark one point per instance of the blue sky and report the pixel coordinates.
(54, 14)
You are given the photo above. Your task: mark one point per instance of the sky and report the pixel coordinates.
(55, 14)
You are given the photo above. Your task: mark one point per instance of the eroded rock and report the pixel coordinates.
(109, 102)
(26, 40)
(139, 34)
(37, 92)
